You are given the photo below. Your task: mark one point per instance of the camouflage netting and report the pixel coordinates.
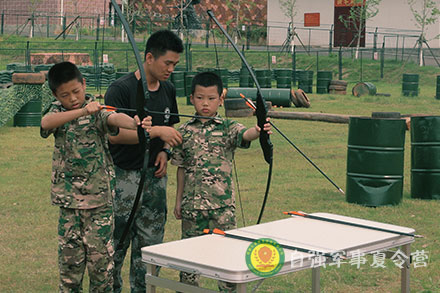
(15, 97)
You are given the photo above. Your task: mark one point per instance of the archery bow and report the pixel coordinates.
(261, 112)
(144, 138)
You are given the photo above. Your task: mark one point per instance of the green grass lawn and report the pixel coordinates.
(28, 237)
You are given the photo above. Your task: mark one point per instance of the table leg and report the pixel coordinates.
(316, 277)
(241, 288)
(404, 272)
(151, 271)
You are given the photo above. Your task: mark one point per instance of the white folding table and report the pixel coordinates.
(222, 258)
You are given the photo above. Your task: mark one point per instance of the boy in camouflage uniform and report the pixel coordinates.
(82, 179)
(205, 193)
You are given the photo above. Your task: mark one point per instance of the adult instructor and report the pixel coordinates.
(162, 53)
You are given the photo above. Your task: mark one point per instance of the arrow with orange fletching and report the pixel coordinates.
(337, 254)
(301, 214)
(113, 109)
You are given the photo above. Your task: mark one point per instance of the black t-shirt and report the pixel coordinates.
(122, 93)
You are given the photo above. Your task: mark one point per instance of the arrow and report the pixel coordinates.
(292, 213)
(111, 109)
(249, 239)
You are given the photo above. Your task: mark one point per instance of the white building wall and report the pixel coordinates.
(393, 21)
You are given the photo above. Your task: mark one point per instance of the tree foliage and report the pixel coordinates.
(425, 12)
(360, 12)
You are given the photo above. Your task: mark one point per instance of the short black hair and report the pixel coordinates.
(162, 41)
(62, 73)
(206, 79)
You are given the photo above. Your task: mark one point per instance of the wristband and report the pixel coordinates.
(168, 152)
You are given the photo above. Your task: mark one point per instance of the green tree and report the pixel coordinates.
(237, 7)
(425, 12)
(288, 7)
(360, 12)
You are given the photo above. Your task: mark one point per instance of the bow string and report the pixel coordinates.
(261, 113)
(144, 138)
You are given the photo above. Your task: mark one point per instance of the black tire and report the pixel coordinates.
(239, 113)
(338, 82)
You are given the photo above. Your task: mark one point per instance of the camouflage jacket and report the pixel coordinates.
(206, 154)
(82, 168)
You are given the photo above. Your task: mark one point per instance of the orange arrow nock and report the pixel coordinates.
(295, 213)
(249, 103)
(218, 231)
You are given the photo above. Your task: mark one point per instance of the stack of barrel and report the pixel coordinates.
(323, 79)
(283, 77)
(410, 84)
(305, 80)
(178, 79)
(30, 113)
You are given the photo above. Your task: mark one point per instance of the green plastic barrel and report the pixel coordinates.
(437, 92)
(283, 77)
(410, 84)
(425, 157)
(305, 80)
(364, 88)
(295, 74)
(245, 78)
(178, 79)
(29, 114)
(278, 97)
(375, 160)
(323, 79)
(264, 77)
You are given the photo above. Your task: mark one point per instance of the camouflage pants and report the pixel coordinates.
(193, 223)
(85, 240)
(148, 225)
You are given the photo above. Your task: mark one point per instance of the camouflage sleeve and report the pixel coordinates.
(53, 108)
(178, 156)
(103, 125)
(236, 131)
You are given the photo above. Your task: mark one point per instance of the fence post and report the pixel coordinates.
(133, 25)
(97, 28)
(47, 26)
(330, 43)
(340, 62)
(32, 25)
(317, 61)
(382, 59)
(294, 64)
(28, 58)
(3, 22)
(64, 27)
(397, 46)
(207, 35)
(248, 37)
(374, 43)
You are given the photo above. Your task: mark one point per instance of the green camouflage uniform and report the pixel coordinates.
(83, 188)
(148, 225)
(208, 200)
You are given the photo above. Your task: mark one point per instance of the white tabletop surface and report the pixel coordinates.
(223, 258)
